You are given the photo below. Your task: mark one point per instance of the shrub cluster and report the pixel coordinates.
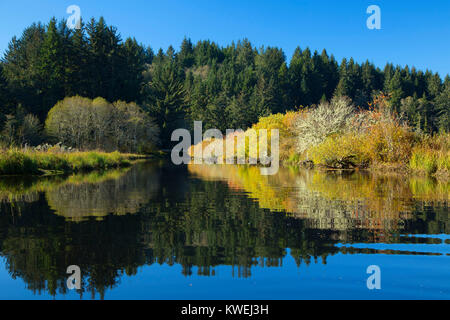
(337, 135)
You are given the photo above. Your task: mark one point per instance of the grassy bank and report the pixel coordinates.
(20, 162)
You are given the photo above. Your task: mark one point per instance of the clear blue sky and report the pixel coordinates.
(414, 32)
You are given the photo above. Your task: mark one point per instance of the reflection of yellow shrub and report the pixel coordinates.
(430, 189)
(331, 200)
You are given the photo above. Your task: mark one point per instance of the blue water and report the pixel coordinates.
(344, 277)
(158, 232)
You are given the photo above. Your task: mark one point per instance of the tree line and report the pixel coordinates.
(225, 87)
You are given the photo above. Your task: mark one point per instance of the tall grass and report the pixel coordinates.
(432, 155)
(14, 161)
(20, 162)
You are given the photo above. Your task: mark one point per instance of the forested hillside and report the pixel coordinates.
(225, 87)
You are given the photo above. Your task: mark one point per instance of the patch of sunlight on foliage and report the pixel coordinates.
(284, 123)
(341, 151)
(336, 135)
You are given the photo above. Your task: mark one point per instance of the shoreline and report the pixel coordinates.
(88, 161)
(24, 163)
(385, 169)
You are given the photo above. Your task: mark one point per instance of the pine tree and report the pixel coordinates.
(443, 107)
(134, 65)
(78, 62)
(5, 98)
(395, 89)
(21, 69)
(434, 84)
(106, 60)
(186, 55)
(52, 68)
(165, 99)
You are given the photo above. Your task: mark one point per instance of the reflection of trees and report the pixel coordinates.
(123, 195)
(82, 196)
(27, 188)
(199, 224)
(337, 201)
(39, 246)
(215, 226)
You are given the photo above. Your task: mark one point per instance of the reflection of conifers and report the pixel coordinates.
(331, 201)
(39, 246)
(194, 223)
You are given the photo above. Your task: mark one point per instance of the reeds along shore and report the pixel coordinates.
(26, 162)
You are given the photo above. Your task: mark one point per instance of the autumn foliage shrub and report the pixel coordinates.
(335, 134)
(341, 151)
(389, 140)
(357, 138)
(284, 123)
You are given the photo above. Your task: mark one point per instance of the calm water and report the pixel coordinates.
(156, 231)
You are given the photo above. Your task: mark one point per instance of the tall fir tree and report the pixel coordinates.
(165, 99)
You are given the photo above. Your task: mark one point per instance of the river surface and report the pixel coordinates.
(157, 231)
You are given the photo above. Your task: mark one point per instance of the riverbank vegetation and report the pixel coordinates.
(24, 162)
(338, 135)
(89, 89)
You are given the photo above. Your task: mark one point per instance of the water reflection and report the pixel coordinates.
(202, 217)
(335, 200)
